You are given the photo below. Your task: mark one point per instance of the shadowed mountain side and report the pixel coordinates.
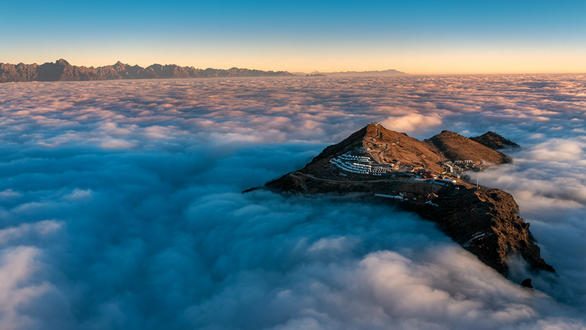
(494, 141)
(61, 70)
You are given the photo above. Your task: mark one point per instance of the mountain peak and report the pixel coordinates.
(448, 133)
(494, 141)
(61, 70)
(386, 147)
(458, 147)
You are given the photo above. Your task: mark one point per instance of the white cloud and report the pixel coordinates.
(120, 206)
(9, 193)
(412, 122)
(116, 144)
(559, 150)
(79, 194)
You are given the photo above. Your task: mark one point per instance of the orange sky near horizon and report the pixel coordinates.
(420, 62)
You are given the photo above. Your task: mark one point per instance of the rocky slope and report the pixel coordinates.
(494, 141)
(61, 70)
(455, 146)
(386, 146)
(484, 221)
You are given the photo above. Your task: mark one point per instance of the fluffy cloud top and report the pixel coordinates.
(120, 206)
(412, 122)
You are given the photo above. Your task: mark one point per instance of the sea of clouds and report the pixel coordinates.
(121, 206)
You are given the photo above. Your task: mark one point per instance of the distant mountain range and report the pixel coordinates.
(61, 70)
(390, 72)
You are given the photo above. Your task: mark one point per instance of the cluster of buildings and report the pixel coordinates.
(360, 165)
(456, 167)
(422, 173)
(364, 165)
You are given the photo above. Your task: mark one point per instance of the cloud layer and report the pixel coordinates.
(120, 206)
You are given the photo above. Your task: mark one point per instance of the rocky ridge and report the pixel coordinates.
(61, 70)
(494, 141)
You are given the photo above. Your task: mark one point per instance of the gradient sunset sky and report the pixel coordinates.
(411, 36)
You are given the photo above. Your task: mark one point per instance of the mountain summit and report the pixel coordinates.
(387, 147)
(494, 141)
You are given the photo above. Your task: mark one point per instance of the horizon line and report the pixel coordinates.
(297, 72)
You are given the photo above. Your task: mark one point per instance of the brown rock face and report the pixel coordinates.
(387, 146)
(494, 141)
(61, 70)
(484, 221)
(455, 146)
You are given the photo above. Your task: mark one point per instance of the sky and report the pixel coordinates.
(302, 36)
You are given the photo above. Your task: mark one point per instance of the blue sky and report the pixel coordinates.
(416, 36)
